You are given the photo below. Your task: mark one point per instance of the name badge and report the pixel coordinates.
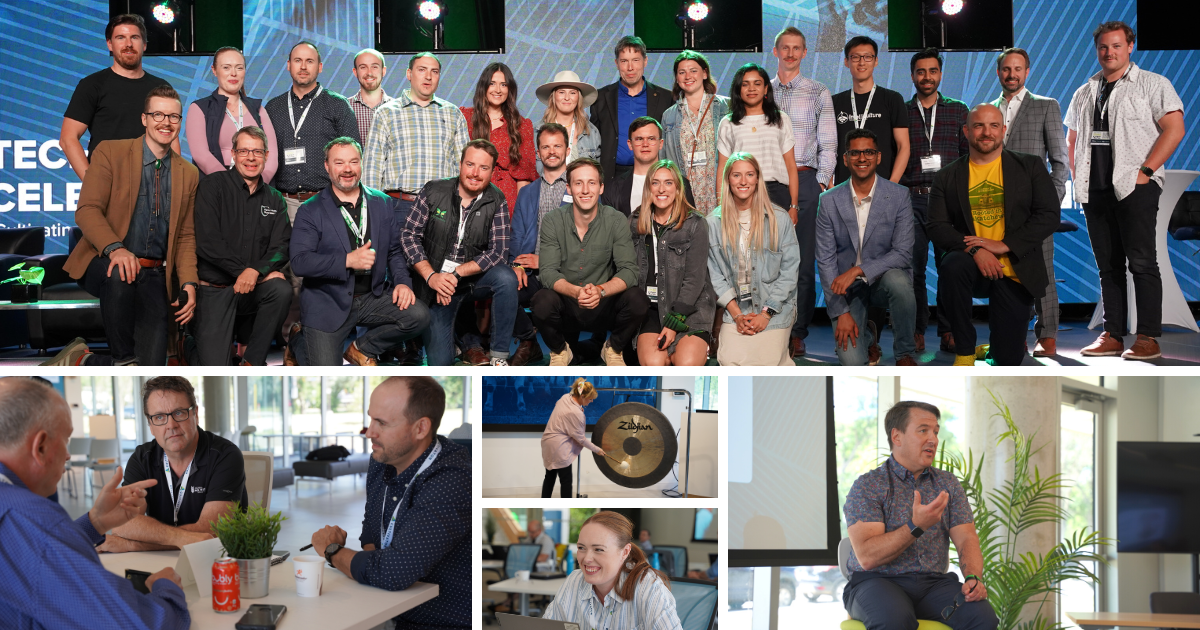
(700, 159)
(293, 156)
(448, 266)
(1101, 139)
(652, 293)
(743, 292)
(931, 163)
(568, 199)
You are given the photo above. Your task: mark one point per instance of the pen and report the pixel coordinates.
(306, 547)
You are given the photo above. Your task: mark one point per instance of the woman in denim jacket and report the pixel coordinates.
(566, 99)
(753, 261)
(672, 255)
(690, 127)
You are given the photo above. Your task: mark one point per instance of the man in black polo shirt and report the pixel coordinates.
(242, 235)
(200, 475)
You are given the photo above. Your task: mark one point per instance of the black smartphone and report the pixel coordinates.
(138, 578)
(260, 617)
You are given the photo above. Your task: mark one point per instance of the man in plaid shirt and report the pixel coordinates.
(369, 69)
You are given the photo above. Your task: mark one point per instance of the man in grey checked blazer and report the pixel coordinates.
(1034, 125)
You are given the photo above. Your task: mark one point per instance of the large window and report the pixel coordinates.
(706, 393)
(305, 399)
(1077, 456)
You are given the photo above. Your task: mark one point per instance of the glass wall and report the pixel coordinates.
(305, 399)
(1077, 456)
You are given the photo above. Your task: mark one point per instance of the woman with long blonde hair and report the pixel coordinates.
(611, 563)
(753, 262)
(565, 437)
(670, 239)
(566, 98)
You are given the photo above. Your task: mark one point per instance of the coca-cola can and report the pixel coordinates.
(226, 586)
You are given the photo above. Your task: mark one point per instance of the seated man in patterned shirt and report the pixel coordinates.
(425, 532)
(901, 546)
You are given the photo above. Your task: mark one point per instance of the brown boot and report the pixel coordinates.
(920, 339)
(797, 347)
(1105, 345)
(475, 356)
(354, 356)
(874, 352)
(1144, 349)
(948, 343)
(1046, 347)
(528, 351)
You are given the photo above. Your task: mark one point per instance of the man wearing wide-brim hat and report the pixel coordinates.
(566, 97)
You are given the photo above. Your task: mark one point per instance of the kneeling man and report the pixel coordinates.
(864, 251)
(417, 525)
(901, 518)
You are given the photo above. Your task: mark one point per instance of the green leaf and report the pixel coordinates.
(249, 535)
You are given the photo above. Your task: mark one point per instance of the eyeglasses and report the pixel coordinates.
(853, 153)
(255, 152)
(959, 600)
(858, 58)
(179, 415)
(159, 116)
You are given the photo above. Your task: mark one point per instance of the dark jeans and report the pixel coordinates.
(893, 290)
(560, 319)
(220, 312)
(1009, 305)
(498, 283)
(920, 258)
(387, 325)
(135, 314)
(564, 478)
(896, 602)
(806, 236)
(523, 328)
(1124, 230)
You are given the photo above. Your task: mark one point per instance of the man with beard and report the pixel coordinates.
(456, 237)
(417, 522)
(108, 103)
(997, 253)
(369, 69)
(935, 133)
(346, 285)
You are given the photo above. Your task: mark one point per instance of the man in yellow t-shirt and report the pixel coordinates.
(992, 235)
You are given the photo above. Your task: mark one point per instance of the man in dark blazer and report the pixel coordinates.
(346, 285)
(1034, 125)
(646, 139)
(618, 104)
(992, 234)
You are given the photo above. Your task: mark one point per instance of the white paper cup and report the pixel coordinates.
(308, 570)
(523, 576)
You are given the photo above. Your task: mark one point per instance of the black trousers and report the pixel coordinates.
(1123, 230)
(896, 602)
(560, 319)
(564, 477)
(135, 315)
(523, 329)
(1009, 305)
(921, 266)
(220, 312)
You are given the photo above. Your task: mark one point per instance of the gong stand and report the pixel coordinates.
(687, 456)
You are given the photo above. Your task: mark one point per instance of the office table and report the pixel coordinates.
(525, 588)
(493, 564)
(1138, 620)
(343, 603)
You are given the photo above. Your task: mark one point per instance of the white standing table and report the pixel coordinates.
(525, 588)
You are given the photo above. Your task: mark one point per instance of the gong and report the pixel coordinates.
(639, 436)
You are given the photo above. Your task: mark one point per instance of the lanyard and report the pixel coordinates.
(241, 117)
(360, 233)
(932, 122)
(296, 125)
(387, 539)
(463, 213)
(182, 484)
(859, 123)
(1102, 102)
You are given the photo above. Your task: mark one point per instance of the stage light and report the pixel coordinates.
(431, 11)
(165, 12)
(952, 7)
(697, 11)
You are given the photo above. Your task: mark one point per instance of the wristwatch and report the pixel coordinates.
(330, 551)
(912, 529)
(974, 249)
(601, 291)
(456, 276)
(1146, 170)
(769, 312)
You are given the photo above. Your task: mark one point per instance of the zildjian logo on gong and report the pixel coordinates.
(635, 426)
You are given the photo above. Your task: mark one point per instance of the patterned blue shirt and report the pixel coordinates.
(869, 502)
(151, 220)
(810, 106)
(52, 577)
(629, 108)
(431, 542)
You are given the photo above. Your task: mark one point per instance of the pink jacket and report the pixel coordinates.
(565, 435)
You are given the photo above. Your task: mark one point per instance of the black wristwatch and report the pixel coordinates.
(330, 551)
(912, 529)
(974, 249)
(1146, 170)
(456, 276)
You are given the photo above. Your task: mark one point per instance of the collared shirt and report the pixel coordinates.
(546, 543)
(50, 568)
(237, 229)
(652, 606)
(331, 117)
(862, 211)
(151, 220)
(411, 145)
(1009, 108)
(606, 251)
(431, 541)
(870, 501)
(810, 106)
(1139, 100)
(218, 473)
(499, 237)
(551, 196)
(949, 142)
(365, 113)
(629, 108)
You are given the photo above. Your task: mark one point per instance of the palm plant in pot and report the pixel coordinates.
(249, 537)
(1015, 580)
(29, 284)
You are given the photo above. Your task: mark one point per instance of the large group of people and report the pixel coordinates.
(376, 227)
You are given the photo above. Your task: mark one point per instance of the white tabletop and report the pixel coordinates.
(529, 587)
(1139, 620)
(493, 564)
(343, 603)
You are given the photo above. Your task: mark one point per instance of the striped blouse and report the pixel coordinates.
(652, 606)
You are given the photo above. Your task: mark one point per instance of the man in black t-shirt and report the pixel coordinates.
(109, 103)
(876, 108)
(200, 475)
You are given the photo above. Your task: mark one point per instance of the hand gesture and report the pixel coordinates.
(362, 258)
(589, 296)
(841, 284)
(246, 281)
(989, 265)
(445, 284)
(185, 314)
(168, 574)
(926, 516)
(846, 333)
(114, 505)
(403, 297)
(126, 263)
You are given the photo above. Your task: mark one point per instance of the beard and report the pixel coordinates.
(120, 56)
(979, 144)
(395, 454)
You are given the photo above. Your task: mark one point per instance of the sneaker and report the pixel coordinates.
(1046, 347)
(74, 353)
(354, 356)
(966, 360)
(1105, 345)
(1144, 349)
(874, 352)
(611, 357)
(563, 358)
(498, 361)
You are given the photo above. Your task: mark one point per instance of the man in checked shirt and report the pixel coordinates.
(901, 518)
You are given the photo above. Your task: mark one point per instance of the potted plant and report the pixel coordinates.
(249, 537)
(29, 284)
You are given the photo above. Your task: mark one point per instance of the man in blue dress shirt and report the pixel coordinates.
(48, 565)
(417, 524)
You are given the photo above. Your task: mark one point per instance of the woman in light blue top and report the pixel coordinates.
(753, 261)
(566, 99)
(614, 588)
(690, 127)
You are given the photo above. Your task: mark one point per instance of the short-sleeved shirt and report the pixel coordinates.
(218, 473)
(887, 112)
(767, 143)
(111, 105)
(870, 501)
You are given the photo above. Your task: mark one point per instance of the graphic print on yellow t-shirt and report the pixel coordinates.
(985, 191)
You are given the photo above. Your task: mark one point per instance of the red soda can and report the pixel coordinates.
(226, 586)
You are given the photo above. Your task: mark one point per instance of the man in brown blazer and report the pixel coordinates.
(138, 251)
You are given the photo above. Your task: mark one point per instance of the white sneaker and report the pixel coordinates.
(611, 357)
(563, 358)
(499, 361)
(72, 354)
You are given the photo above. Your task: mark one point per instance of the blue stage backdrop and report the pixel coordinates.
(46, 47)
(524, 403)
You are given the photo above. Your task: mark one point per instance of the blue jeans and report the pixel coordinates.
(892, 290)
(498, 283)
(135, 315)
(387, 325)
